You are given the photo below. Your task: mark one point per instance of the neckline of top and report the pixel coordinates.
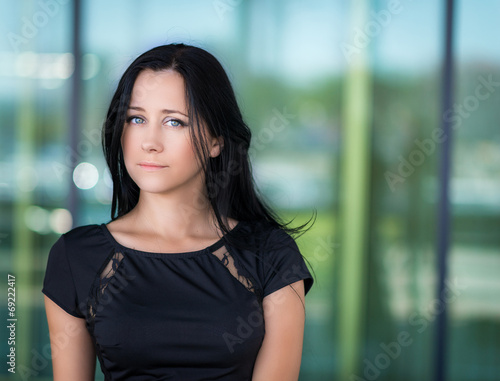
(211, 248)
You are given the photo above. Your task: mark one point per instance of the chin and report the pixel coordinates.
(151, 187)
(162, 185)
(154, 186)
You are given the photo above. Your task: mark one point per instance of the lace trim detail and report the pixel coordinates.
(104, 279)
(228, 261)
(100, 285)
(109, 271)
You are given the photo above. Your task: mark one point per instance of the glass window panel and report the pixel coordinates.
(35, 65)
(401, 262)
(474, 319)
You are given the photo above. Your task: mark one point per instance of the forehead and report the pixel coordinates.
(159, 89)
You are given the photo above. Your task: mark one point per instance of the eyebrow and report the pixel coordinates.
(164, 111)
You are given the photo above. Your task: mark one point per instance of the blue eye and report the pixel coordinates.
(175, 123)
(135, 120)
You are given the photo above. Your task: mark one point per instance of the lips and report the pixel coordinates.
(150, 166)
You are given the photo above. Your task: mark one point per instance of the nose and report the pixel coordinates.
(151, 141)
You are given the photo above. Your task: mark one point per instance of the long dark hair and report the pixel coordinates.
(211, 102)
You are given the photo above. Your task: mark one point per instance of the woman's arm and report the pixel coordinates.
(73, 354)
(281, 351)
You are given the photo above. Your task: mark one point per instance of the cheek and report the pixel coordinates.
(127, 141)
(129, 150)
(182, 149)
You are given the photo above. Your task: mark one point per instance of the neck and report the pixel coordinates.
(179, 215)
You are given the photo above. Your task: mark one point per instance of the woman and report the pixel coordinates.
(194, 278)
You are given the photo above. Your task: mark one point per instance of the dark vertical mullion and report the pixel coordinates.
(74, 125)
(444, 226)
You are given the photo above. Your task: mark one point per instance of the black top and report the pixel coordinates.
(163, 316)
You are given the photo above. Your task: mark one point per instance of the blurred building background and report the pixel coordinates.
(345, 99)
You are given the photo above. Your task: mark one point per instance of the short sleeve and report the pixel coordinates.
(58, 283)
(283, 263)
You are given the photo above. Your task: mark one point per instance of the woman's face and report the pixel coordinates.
(156, 141)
